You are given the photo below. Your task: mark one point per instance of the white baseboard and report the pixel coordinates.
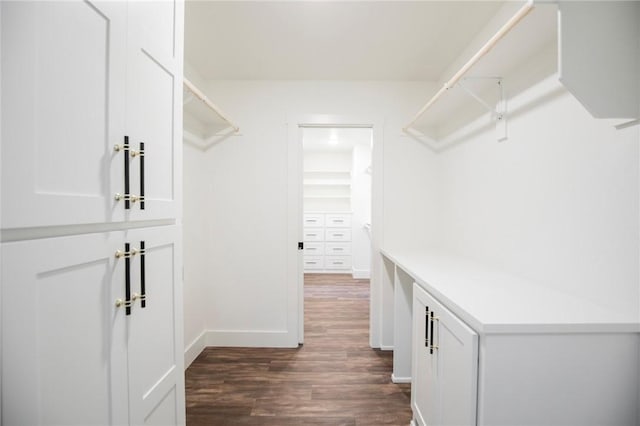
(395, 379)
(386, 348)
(251, 339)
(361, 274)
(194, 349)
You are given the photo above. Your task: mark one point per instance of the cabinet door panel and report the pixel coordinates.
(155, 331)
(453, 366)
(424, 395)
(154, 107)
(63, 76)
(63, 340)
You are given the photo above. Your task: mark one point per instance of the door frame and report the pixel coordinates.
(295, 276)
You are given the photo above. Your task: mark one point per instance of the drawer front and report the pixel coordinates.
(312, 220)
(337, 262)
(338, 220)
(314, 249)
(338, 235)
(313, 262)
(337, 249)
(313, 234)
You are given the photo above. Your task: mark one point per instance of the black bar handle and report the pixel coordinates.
(143, 290)
(426, 328)
(141, 153)
(127, 281)
(431, 332)
(127, 204)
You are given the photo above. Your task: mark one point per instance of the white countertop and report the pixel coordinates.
(491, 301)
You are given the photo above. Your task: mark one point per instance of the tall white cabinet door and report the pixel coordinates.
(156, 360)
(63, 74)
(154, 105)
(424, 395)
(63, 338)
(453, 364)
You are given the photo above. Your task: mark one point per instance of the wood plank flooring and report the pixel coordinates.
(335, 378)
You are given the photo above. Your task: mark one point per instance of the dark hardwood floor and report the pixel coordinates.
(335, 378)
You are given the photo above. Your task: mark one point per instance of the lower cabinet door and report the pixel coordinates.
(64, 359)
(424, 395)
(445, 364)
(71, 355)
(156, 361)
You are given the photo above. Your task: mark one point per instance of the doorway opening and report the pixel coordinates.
(336, 202)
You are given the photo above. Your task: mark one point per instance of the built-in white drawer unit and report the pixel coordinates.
(327, 242)
(333, 220)
(314, 249)
(313, 220)
(313, 262)
(314, 234)
(337, 235)
(337, 262)
(337, 249)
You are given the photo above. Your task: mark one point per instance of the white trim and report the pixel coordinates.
(251, 338)
(294, 210)
(395, 379)
(361, 274)
(386, 347)
(194, 349)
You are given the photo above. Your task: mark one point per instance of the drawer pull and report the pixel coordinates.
(426, 327)
(338, 220)
(338, 263)
(312, 235)
(338, 235)
(311, 263)
(337, 249)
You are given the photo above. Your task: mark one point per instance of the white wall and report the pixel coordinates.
(245, 239)
(361, 206)
(556, 204)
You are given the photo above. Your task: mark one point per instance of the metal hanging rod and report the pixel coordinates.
(521, 13)
(201, 96)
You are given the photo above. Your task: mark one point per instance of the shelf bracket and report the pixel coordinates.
(499, 112)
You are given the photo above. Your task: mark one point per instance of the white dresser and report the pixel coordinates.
(327, 242)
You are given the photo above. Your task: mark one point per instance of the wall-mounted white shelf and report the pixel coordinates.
(204, 122)
(598, 60)
(327, 182)
(327, 190)
(478, 87)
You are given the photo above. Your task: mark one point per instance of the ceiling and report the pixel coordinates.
(331, 139)
(330, 40)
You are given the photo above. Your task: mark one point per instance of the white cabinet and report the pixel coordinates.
(507, 352)
(445, 365)
(69, 354)
(327, 240)
(77, 78)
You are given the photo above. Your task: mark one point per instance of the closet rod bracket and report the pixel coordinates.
(499, 112)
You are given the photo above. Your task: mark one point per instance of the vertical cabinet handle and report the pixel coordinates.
(143, 290)
(127, 281)
(433, 337)
(127, 197)
(431, 317)
(426, 327)
(141, 153)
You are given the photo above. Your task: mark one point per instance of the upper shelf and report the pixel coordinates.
(204, 122)
(595, 46)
